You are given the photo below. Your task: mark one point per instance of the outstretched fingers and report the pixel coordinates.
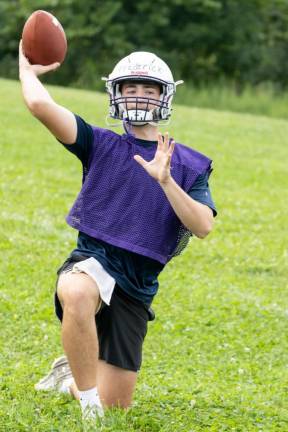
(160, 142)
(140, 160)
(171, 148)
(165, 143)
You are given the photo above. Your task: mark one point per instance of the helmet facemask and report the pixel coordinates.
(136, 110)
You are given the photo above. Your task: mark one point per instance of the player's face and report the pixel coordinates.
(140, 90)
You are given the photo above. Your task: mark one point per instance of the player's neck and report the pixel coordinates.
(147, 132)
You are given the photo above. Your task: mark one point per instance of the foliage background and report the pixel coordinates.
(204, 41)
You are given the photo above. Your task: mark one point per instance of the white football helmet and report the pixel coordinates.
(141, 67)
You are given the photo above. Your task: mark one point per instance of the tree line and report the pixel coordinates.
(203, 41)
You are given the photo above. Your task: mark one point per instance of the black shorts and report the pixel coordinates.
(121, 327)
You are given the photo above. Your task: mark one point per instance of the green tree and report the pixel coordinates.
(202, 40)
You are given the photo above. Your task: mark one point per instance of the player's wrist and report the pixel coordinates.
(167, 182)
(26, 72)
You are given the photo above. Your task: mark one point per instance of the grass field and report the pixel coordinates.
(216, 357)
(261, 100)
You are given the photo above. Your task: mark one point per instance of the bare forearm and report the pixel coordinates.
(34, 92)
(197, 217)
(60, 121)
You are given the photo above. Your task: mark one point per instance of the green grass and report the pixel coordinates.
(216, 357)
(260, 100)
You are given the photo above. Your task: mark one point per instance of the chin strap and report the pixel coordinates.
(126, 127)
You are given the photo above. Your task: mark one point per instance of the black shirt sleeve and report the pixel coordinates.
(200, 192)
(83, 144)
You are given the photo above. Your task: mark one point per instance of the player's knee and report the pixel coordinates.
(77, 296)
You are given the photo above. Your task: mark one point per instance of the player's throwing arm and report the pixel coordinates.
(60, 121)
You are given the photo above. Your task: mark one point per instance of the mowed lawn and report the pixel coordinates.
(215, 358)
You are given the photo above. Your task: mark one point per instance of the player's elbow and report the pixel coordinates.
(201, 235)
(204, 230)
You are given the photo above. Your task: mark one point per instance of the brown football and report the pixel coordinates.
(43, 39)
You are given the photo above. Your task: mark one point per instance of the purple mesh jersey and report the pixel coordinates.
(121, 204)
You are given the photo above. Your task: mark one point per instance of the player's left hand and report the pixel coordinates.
(159, 167)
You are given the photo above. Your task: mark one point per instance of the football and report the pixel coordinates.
(43, 39)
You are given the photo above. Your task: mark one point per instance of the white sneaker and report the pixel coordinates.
(59, 378)
(92, 417)
(92, 412)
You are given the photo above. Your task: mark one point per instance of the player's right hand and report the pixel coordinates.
(24, 64)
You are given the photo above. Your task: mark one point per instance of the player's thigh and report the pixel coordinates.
(115, 385)
(77, 288)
